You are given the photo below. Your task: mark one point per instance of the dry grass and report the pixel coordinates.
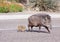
(12, 6)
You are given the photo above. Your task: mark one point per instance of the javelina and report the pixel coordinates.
(21, 28)
(39, 20)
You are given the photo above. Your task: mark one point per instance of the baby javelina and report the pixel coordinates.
(40, 20)
(21, 28)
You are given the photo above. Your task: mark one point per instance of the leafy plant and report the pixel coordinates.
(4, 9)
(10, 7)
(15, 8)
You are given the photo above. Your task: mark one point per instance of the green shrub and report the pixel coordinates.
(10, 7)
(20, 9)
(4, 9)
(15, 8)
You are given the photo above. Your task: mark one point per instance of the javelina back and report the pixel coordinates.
(39, 20)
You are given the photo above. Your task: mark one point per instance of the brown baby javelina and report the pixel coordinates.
(39, 20)
(21, 28)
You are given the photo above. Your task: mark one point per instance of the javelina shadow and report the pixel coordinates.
(37, 31)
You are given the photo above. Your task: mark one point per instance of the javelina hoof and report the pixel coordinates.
(21, 28)
(48, 31)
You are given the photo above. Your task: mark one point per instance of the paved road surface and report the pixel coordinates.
(8, 32)
(14, 36)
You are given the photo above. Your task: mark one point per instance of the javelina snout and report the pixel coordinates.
(39, 20)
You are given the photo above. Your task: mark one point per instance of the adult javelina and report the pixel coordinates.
(39, 20)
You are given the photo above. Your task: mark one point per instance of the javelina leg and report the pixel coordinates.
(31, 28)
(46, 28)
(28, 27)
(50, 26)
(39, 28)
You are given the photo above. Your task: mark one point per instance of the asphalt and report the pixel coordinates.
(9, 33)
(35, 36)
